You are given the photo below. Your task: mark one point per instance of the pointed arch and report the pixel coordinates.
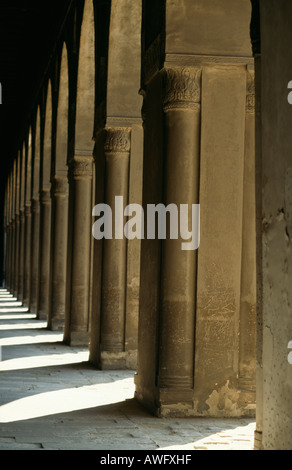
(36, 159)
(22, 176)
(28, 189)
(46, 163)
(86, 80)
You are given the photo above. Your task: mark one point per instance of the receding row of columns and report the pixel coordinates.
(185, 320)
(52, 259)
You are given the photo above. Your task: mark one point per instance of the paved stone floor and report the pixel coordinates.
(51, 398)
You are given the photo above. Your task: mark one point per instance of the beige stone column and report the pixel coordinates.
(59, 251)
(220, 253)
(178, 277)
(13, 229)
(27, 241)
(188, 357)
(80, 164)
(45, 212)
(17, 224)
(117, 152)
(59, 188)
(5, 232)
(27, 256)
(8, 236)
(121, 154)
(45, 245)
(80, 184)
(35, 234)
(22, 226)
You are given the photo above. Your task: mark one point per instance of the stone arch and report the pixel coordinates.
(36, 156)
(85, 103)
(28, 197)
(45, 208)
(62, 115)
(47, 150)
(59, 227)
(80, 188)
(114, 338)
(22, 222)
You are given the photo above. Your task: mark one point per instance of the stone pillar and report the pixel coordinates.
(114, 340)
(35, 206)
(8, 236)
(117, 152)
(13, 230)
(27, 255)
(80, 186)
(59, 193)
(35, 236)
(194, 88)
(59, 251)
(45, 251)
(22, 227)
(28, 233)
(80, 163)
(45, 211)
(274, 225)
(21, 254)
(178, 278)
(17, 224)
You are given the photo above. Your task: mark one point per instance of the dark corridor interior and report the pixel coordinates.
(28, 31)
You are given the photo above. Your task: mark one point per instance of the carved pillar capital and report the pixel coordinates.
(22, 214)
(27, 209)
(35, 205)
(45, 196)
(117, 140)
(182, 88)
(60, 186)
(81, 167)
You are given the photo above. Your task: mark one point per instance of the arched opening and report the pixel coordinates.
(77, 322)
(59, 228)
(45, 210)
(28, 199)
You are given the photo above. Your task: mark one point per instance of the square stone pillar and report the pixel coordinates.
(195, 334)
(77, 324)
(45, 252)
(59, 237)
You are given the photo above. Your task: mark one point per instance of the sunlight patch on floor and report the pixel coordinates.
(66, 400)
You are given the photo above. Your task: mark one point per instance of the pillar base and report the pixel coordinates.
(42, 315)
(167, 403)
(175, 402)
(78, 339)
(118, 360)
(56, 324)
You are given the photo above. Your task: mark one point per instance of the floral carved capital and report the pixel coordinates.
(182, 88)
(118, 140)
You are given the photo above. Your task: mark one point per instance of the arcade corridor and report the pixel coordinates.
(120, 331)
(52, 399)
